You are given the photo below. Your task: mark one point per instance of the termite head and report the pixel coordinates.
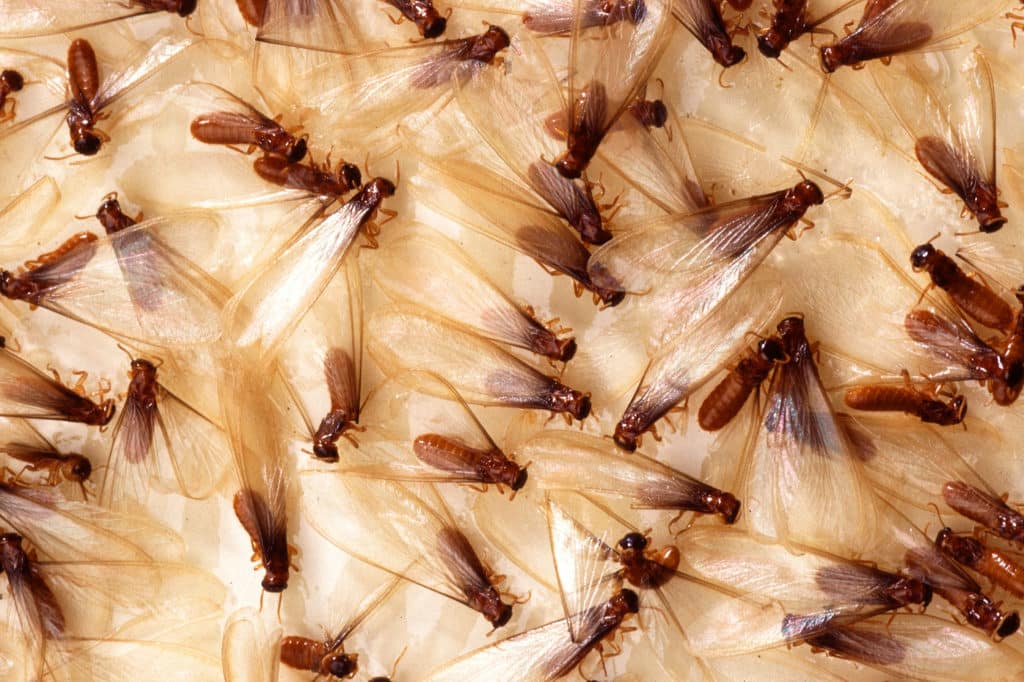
(725, 53)
(77, 468)
(1009, 525)
(725, 505)
(498, 613)
(771, 43)
(340, 665)
(591, 228)
(565, 399)
(637, 11)
(12, 80)
(353, 178)
(627, 432)
(772, 349)
(986, 209)
(923, 257)
(88, 144)
(275, 580)
(1009, 625)
(627, 601)
(297, 150)
(633, 541)
(325, 452)
(808, 193)
(488, 44)
(831, 58)
(186, 7)
(910, 591)
(517, 475)
(434, 26)
(378, 188)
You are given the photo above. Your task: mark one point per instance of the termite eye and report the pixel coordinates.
(771, 349)
(659, 114)
(632, 601)
(13, 79)
(520, 480)
(353, 178)
(342, 665)
(326, 453)
(633, 541)
(82, 469)
(768, 44)
(637, 11)
(186, 7)
(503, 616)
(275, 583)
(298, 151)
(87, 145)
(434, 27)
(1010, 625)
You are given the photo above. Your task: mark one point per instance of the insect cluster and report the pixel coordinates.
(413, 302)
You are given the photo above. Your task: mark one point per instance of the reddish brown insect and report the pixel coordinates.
(651, 113)
(646, 568)
(703, 19)
(10, 81)
(267, 530)
(439, 68)
(250, 128)
(560, 16)
(451, 455)
(908, 399)
(27, 18)
(946, 164)
(48, 270)
(112, 218)
(975, 298)
(58, 467)
(992, 563)
(730, 395)
(84, 78)
(311, 178)
(343, 387)
(573, 201)
(423, 14)
(1013, 353)
(30, 591)
(981, 507)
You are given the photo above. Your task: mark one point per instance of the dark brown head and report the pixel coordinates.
(498, 613)
(433, 26)
(591, 228)
(724, 52)
(570, 401)
(771, 43)
(771, 349)
(87, 143)
(637, 10)
(78, 468)
(923, 257)
(516, 476)
(325, 451)
(626, 601)
(832, 57)
(570, 165)
(296, 150)
(655, 114)
(186, 7)
(340, 665)
(627, 432)
(111, 217)
(1009, 625)
(11, 80)
(726, 505)
(794, 339)
(377, 190)
(488, 44)
(808, 193)
(910, 591)
(350, 175)
(275, 579)
(967, 551)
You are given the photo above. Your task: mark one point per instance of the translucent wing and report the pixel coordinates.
(267, 309)
(249, 652)
(404, 537)
(310, 24)
(31, 208)
(402, 338)
(563, 460)
(26, 391)
(27, 18)
(585, 566)
(800, 467)
(685, 362)
(436, 275)
(138, 71)
(138, 285)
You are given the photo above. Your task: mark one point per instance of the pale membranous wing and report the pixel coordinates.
(410, 537)
(252, 406)
(26, 391)
(562, 460)
(402, 338)
(133, 285)
(422, 430)
(249, 652)
(39, 74)
(953, 129)
(27, 18)
(799, 465)
(608, 67)
(160, 442)
(890, 27)
(32, 460)
(318, 25)
(802, 594)
(436, 274)
(263, 313)
(687, 360)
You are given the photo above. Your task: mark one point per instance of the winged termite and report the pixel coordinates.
(508, 109)
(925, 405)
(921, 647)
(729, 396)
(608, 66)
(976, 299)
(237, 122)
(90, 99)
(158, 439)
(798, 462)
(135, 284)
(812, 591)
(428, 433)
(544, 653)
(252, 417)
(686, 362)
(27, 19)
(792, 19)
(313, 178)
(403, 338)
(557, 17)
(511, 217)
(892, 27)
(562, 460)
(33, 460)
(262, 314)
(10, 81)
(428, 20)
(28, 392)
(246, 634)
(650, 113)
(998, 565)
(328, 657)
(701, 257)
(953, 129)
(435, 274)
(419, 541)
(703, 19)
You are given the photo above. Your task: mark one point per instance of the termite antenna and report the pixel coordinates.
(802, 168)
